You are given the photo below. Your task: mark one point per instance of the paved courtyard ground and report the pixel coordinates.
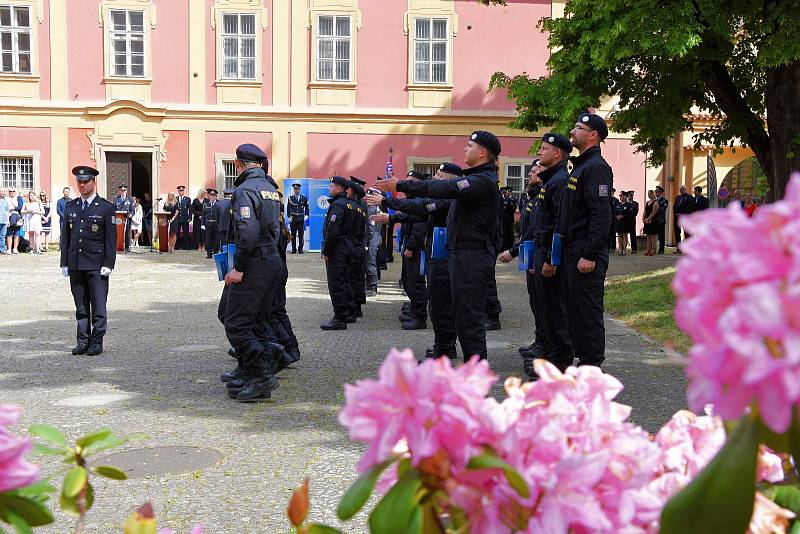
(159, 376)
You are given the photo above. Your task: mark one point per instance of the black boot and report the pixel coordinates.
(336, 323)
(232, 352)
(415, 323)
(527, 348)
(359, 313)
(492, 323)
(259, 388)
(94, 349)
(351, 319)
(80, 348)
(534, 352)
(231, 375)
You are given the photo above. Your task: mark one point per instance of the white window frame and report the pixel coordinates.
(525, 168)
(413, 163)
(16, 31)
(221, 162)
(127, 36)
(34, 156)
(430, 41)
(334, 39)
(240, 37)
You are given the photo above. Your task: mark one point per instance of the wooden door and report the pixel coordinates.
(118, 172)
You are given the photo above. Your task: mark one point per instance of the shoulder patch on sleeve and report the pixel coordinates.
(333, 217)
(462, 184)
(603, 190)
(431, 206)
(244, 212)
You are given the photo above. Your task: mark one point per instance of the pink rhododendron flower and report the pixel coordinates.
(738, 288)
(768, 517)
(198, 529)
(15, 472)
(770, 465)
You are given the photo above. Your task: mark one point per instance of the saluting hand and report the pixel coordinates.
(233, 277)
(585, 266)
(386, 186)
(380, 218)
(373, 199)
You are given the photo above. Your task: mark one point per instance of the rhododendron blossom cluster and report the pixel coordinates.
(738, 288)
(15, 471)
(587, 468)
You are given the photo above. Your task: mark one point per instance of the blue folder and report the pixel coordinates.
(555, 251)
(525, 256)
(423, 262)
(231, 256)
(221, 261)
(439, 244)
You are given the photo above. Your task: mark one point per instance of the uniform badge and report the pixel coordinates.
(244, 212)
(462, 184)
(431, 206)
(603, 190)
(333, 217)
(95, 228)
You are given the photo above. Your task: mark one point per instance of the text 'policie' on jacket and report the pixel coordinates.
(585, 213)
(255, 206)
(88, 237)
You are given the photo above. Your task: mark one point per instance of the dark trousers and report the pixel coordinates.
(677, 228)
(440, 302)
(182, 241)
(128, 222)
(662, 228)
(471, 274)
(198, 235)
(247, 311)
(388, 243)
(508, 235)
(280, 318)
(493, 306)
(536, 302)
(632, 239)
(298, 228)
(414, 284)
(358, 277)
(212, 239)
(339, 286)
(89, 291)
(612, 237)
(584, 299)
(554, 316)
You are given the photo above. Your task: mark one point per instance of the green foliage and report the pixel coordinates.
(358, 493)
(490, 461)
(399, 512)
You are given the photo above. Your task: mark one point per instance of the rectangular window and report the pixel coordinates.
(16, 172)
(517, 177)
(15, 39)
(126, 40)
(426, 168)
(239, 46)
(333, 48)
(230, 173)
(430, 50)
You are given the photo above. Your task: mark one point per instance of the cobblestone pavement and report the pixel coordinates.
(159, 375)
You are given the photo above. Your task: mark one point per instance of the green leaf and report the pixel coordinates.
(38, 448)
(93, 437)
(70, 505)
(316, 528)
(31, 510)
(36, 489)
(720, 498)
(75, 481)
(487, 461)
(359, 491)
(396, 511)
(776, 442)
(109, 471)
(794, 437)
(795, 528)
(102, 444)
(787, 497)
(49, 434)
(19, 524)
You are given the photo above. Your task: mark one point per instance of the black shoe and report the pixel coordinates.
(232, 352)
(527, 348)
(259, 389)
(533, 352)
(406, 307)
(238, 383)
(231, 375)
(429, 353)
(301, 252)
(414, 324)
(334, 324)
(294, 352)
(208, 256)
(351, 319)
(294, 252)
(95, 349)
(492, 324)
(527, 366)
(359, 313)
(80, 348)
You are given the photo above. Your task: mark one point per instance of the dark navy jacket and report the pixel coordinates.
(88, 238)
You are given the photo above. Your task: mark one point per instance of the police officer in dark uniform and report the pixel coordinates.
(123, 202)
(88, 253)
(358, 266)
(224, 216)
(182, 219)
(471, 234)
(583, 223)
(210, 222)
(297, 213)
(336, 251)
(416, 317)
(509, 210)
(255, 207)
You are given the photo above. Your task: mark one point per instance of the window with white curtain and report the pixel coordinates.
(127, 46)
(239, 46)
(16, 172)
(430, 50)
(15, 39)
(334, 40)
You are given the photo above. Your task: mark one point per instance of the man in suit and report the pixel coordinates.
(635, 215)
(297, 213)
(123, 202)
(684, 204)
(88, 253)
(700, 202)
(183, 217)
(210, 222)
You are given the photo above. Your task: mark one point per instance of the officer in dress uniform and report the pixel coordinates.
(297, 213)
(210, 223)
(251, 283)
(472, 230)
(584, 220)
(509, 210)
(183, 217)
(88, 253)
(123, 202)
(336, 251)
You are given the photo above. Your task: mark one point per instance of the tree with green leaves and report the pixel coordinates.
(737, 59)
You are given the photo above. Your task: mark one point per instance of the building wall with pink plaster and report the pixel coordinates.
(170, 52)
(382, 55)
(23, 139)
(226, 143)
(45, 88)
(79, 151)
(85, 51)
(175, 170)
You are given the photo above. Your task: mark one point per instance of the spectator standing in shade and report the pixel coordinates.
(3, 222)
(750, 205)
(47, 222)
(32, 213)
(62, 202)
(650, 228)
(700, 202)
(621, 213)
(171, 207)
(684, 204)
(661, 217)
(634, 214)
(183, 216)
(198, 235)
(15, 203)
(147, 218)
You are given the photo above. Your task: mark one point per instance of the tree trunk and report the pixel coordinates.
(783, 118)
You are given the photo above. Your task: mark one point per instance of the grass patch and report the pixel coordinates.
(645, 302)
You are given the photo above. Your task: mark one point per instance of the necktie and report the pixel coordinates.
(85, 205)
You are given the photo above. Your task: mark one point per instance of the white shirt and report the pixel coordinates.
(88, 200)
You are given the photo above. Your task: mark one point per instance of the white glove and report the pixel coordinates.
(202, 226)
(105, 271)
(65, 271)
(305, 218)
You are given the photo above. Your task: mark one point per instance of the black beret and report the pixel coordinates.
(451, 168)
(595, 122)
(341, 180)
(487, 140)
(250, 152)
(357, 189)
(212, 191)
(228, 191)
(659, 188)
(416, 174)
(84, 174)
(558, 141)
(360, 182)
(535, 163)
(280, 195)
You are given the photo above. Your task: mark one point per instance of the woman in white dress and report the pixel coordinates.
(32, 213)
(136, 222)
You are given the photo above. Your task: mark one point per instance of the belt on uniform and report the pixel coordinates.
(265, 251)
(462, 244)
